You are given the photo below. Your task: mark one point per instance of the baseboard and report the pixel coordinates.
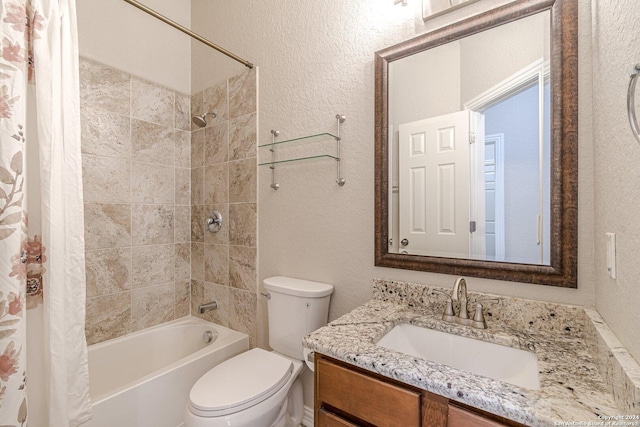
(307, 419)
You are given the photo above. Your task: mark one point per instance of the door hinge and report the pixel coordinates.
(472, 138)
(472, 226)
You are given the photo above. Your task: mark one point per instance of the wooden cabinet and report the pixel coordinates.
(346, 395)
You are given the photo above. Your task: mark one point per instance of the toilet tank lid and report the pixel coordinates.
(297, 287)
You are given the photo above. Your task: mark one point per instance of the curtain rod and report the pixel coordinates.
(188, 32)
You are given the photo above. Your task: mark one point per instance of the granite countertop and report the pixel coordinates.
(572, 389)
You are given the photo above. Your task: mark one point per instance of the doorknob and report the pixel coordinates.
(404, 242)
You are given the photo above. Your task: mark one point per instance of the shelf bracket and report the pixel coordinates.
(274, 135)
(340, 118)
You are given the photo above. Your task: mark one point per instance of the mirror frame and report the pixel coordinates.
(563, 268)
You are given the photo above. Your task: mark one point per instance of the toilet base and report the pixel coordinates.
(293, 409)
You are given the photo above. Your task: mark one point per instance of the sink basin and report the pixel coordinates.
(495, 361)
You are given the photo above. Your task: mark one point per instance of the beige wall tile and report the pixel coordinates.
(152, 184)
(152, 224)
(216, 143)
(104, 88)
(216, 179)
(183, 111)
(152, 103)
(242, 180)
(242, 312)
(136, 168)
(183, 149)
(202, 293)
(108, 271)
(152, 143)
(197, 261)
(230, 188)
(242, 137)
(105, 133)
(242, 94)
(197, 148)
(242, 224)
(197, 186)
(216, 264)
(153, 265)
(198, 223)
(106, 179)
(108, 316)
(107, 225)
(183, 261)
(183, 186)
(242, 268)
(152, 306)
(216, 99)
(182, 221)
(183, 298)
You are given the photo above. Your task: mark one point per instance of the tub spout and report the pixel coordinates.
(208, 306)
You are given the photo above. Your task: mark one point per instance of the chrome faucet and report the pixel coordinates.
(459, 293)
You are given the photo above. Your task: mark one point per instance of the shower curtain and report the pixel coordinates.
(42, 253)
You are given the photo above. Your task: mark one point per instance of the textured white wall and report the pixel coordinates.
(121, 36)
(616, 46)
(316, 60)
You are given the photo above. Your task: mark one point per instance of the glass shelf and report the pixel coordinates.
(316, 137)
(308, 148)
(297, 159)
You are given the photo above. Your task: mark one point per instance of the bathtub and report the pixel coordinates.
(143, 379)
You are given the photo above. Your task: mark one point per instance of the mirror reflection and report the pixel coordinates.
(469, 142)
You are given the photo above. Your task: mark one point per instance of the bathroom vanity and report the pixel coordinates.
(584, 373)
(347, 395)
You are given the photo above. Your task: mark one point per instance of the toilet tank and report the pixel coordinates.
(296, 308)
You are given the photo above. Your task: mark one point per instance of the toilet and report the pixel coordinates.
(260, 388)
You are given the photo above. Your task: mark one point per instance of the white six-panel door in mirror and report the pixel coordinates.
(433, 185)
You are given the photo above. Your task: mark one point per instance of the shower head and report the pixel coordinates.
(201, 121)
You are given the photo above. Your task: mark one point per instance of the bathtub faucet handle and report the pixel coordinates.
(207, 307)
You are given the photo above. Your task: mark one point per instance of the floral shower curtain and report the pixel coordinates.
(42, 258)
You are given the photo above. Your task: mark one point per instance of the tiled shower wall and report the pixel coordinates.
(136, 174)
(223, 177)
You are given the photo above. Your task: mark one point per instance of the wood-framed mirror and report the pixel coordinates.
(476, 147)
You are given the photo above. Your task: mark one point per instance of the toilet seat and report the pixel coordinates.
(239, 383)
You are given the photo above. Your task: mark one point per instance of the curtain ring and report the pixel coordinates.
(631, 107)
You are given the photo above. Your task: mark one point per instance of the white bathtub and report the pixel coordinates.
(143, 379)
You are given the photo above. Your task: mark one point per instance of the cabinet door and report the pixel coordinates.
(366, 398)
(327, 419)
(459, 417)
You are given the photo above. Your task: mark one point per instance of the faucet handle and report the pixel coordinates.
(478, 318)
(448, 315)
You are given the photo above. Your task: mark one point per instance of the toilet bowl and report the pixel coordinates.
(262, 388)
(256, 388)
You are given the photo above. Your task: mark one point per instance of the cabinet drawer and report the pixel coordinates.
(459, 417)
(366, 398)
(327, 419)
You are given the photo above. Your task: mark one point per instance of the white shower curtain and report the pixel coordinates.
(39, 45)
